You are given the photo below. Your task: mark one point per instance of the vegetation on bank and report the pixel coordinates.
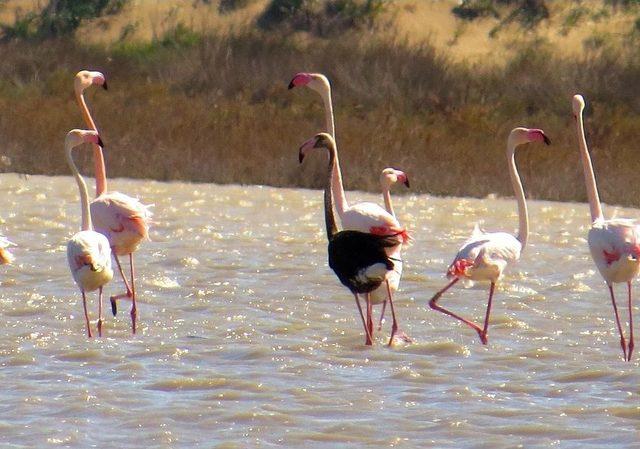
(215, 108)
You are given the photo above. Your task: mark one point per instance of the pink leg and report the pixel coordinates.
(483, 334)
(370, 317)
(100, 312)
(631, 344)
(128, 294)
(384, 306)
(615, 310)
(86, 314)
(366, 328)
(394, 327)
(134, 309)
(433, 304)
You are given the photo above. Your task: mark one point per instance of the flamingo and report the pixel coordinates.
(484, 256)
(122, 219)
(364, 217)
(88, 251)
(361, 260)
(614, 244)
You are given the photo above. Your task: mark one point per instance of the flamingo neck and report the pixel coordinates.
(329, 215)
(386, 195)
(98, 157)
(82, 186)
(589, 176)
(337, 187)
(523, 215)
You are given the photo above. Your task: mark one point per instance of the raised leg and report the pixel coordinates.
(86, 314)
(128, 294)
(433, 303)
(368, 340)
(615, 310)
(631, 344)
(483, 334)
(134, 309)
(384, 306)
(394, 327)
(100, 312)
(369, 316)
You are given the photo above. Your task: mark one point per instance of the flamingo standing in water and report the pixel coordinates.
(484, 256)
(615, 243)
(360, 260)
(363, 217)
(122, 219)
(88, 252)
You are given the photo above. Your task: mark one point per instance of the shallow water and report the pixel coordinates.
(248, 340)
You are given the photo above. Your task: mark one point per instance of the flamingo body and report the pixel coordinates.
(122, 219)
(89, 256)
(614, 248)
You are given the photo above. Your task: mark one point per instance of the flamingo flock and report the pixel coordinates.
(365, 240)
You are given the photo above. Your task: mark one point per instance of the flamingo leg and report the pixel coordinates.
(433, 303)
(631, 344)
(366, 328)
(134, 309)
(369, 318)
(128, 294)
(100, 312)
(483, 334)
(384, 306)
(394, 327)
(615, 310)
(86, 313)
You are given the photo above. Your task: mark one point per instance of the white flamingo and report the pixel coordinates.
(88, 252)
(364, 217)
(484, 256)
(615, 243)
(122, 219)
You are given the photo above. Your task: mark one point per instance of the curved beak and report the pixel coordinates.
(300, 155)
(311, 143)
(104, 85)
(406, 181)
(100, 142)
(291, 85)
(546, 139)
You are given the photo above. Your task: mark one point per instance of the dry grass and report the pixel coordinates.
(216, 109)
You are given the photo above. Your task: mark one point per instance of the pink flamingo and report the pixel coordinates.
(614, 244)
(122, 219)
(364, 217)
(88, 252)
(484, 256)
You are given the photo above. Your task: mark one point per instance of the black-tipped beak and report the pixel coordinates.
(100, 142)
(546, 139)
(300, 156)
(291, 85)
(104, 85)
(406, 182)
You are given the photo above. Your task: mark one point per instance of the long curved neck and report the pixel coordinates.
(98, 157)
(329, 215)
(386, 195)
(523, 215)
(84, 195)
(589, 176)
(337, 187)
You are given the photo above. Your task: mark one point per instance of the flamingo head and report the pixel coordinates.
(390, 176)
(86, 78)
(315, 81)
(321, 140)
(578, 105)
(77, 137)
(521, 136)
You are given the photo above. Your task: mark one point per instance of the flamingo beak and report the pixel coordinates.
(546, 139)
(104, 85)
(291, 85)
(100, 142)
(406, 181)
(300, 156)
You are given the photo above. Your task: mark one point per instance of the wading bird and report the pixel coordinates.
(484, 256)
(615, 243)
(122, 219)
(360, 260)
(364, 217)
(88, 252)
